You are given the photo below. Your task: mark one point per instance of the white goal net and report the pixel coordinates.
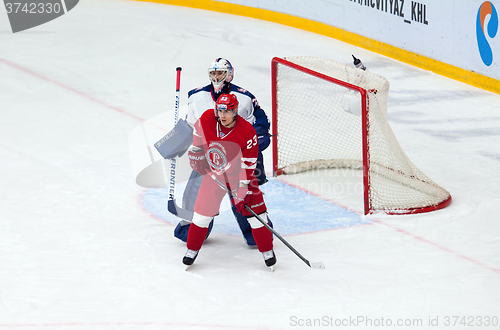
(327, 114)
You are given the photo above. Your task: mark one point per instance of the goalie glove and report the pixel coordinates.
(242, 198)
(198, 161)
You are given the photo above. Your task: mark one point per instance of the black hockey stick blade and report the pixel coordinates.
(179, 211)
(314, 265)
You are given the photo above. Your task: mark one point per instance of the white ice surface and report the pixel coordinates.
(79, 251)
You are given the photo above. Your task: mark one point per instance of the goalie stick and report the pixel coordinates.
(315, 265)
(171, 204)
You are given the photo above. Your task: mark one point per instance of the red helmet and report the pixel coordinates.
(227, 102)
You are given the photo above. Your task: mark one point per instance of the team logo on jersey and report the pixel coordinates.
(216, 156)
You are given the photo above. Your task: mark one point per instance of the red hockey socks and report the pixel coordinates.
(196, 236)
(263, 238)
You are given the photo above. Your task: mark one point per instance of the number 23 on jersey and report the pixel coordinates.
(252, 142)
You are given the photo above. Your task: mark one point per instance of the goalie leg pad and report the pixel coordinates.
(182, 230)
(191, 191)
(245, 227)
(188, 201)
(260, 172)
(200, 221)
(176, 142)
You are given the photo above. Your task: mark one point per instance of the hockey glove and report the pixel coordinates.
(198, 161)
(242, 198)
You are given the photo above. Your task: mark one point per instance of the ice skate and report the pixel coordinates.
(189, 258)
(269, 259)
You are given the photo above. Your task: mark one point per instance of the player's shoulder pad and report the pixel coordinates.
(245, 96)
(199, 89)
(238, 89)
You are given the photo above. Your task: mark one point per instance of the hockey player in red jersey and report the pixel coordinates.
(221, 74)
(226, 145)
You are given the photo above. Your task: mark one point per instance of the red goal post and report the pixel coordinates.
(331, 115)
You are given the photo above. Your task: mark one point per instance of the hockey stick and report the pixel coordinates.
(315, 265)
(171, 204)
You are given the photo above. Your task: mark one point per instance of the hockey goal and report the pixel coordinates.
(330, 115)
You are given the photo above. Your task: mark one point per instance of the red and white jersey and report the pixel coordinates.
(231, 153)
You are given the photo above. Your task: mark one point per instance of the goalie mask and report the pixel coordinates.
(220, 71)
(227, 102)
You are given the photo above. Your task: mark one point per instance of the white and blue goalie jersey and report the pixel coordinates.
(202, 99)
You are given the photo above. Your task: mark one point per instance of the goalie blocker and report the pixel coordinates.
(176, 142)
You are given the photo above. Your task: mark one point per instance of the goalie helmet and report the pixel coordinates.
(227, 102)
(220, 71)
